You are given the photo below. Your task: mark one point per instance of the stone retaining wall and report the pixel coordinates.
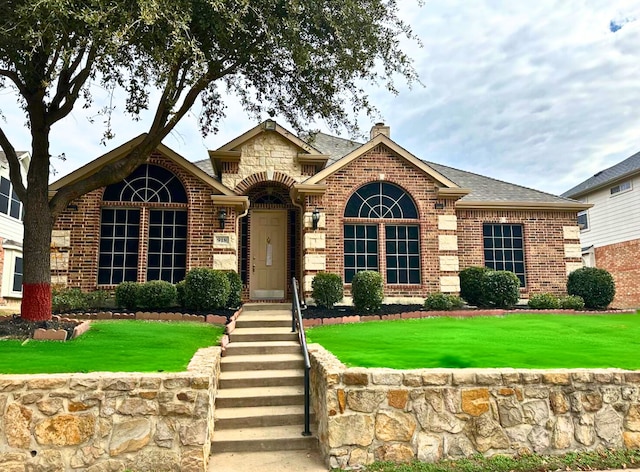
(431, 414)
(110, 422)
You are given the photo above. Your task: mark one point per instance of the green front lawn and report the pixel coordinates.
(518, 341)
(112, 346)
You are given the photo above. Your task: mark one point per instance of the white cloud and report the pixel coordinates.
(541, 93)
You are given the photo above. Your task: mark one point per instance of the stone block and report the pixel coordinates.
(573, 251)
(365, 401)
(17, 426)
(225, 262)
(317, 262)
(60, 238)
(449, 284)
(447, 242)
(475, 402)
(225, 241)
(355, 377)
(129, 436)
(357, 429)
(395, 426)
(571, 232)
(448, 222)
(65, 430)
(216, 319)
(315, 241)
(394, 453)
(398, 398)
(571, 266)
(449, 264)
(462, 377)
(59, 260)
(386, 377)
(436, 378)
(556, 378)
(42, 334)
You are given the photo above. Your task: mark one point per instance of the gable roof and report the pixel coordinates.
(393, 146)
(484, 191)
(629, 166)
(123, 150)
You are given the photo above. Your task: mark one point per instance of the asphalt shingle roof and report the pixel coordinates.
(628, 166)
(483, 189)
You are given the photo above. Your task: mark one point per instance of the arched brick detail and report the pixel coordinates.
(260, 177)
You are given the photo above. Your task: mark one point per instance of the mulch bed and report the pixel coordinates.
(314, 312)
(14, 327)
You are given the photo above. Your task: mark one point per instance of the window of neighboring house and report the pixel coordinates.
(395, 242)
(583, 220)
(123, 230)
(10, 204)
(17, 275)
(504, 248)
(623, 187)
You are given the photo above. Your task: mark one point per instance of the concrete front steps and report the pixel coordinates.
(260, 402)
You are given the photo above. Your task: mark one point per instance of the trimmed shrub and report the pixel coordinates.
(327, 289)
(500, 289)
(97, 299)
(127, 295)
(235, 289)
(68, 299)
(594, 285)
(206, 289)
(544, 301)
(471, 288)
(180, 293)
(156, 294)
(443, 302)
(366, 290)
(571, 302)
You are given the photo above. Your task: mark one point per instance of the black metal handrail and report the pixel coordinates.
(296, 325)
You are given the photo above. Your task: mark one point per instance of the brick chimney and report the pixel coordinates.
(380, 128)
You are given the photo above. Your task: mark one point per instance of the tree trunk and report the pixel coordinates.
(38, 223)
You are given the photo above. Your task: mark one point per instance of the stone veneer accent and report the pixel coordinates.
(106, 422)
(431, 414)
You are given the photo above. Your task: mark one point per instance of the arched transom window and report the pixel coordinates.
(150, 205)
(381, 200)
(365, 243)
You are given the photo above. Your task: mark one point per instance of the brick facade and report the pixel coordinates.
(450, 238)
(83, 227)
(621, 260)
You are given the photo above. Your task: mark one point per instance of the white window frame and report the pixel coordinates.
(585, 213)
(622, 187)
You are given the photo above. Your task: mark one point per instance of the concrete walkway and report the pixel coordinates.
(271, 461)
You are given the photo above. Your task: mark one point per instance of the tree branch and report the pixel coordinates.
(73, 91)
(14, 166)
(15, 78)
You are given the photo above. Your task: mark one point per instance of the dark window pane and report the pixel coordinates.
(414, 277)
(4, 204)
(148, 183)
(349, 231)
(15, 209)
(506, 237)
(392, 277)
(380, 200)
(5, 186)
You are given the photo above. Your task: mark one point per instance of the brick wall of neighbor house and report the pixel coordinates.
(382, 164)
(80, 268)
(545, 242)
(621, 260)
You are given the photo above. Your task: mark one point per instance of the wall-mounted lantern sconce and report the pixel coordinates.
(315, 218)
(222, 216)
(439, 206)
(269, 125)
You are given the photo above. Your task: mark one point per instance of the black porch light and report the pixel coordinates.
(315, 218)
(222, 216)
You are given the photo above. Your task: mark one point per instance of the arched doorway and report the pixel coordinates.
(269, 242)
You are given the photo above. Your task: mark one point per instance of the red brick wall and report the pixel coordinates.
(397, 170)
(84, 224)
(621, 260)
(543, 241)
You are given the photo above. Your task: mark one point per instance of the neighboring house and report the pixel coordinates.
(273, 205)
(11, 232)
(610, 230)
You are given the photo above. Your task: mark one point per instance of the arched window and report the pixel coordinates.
(124, 228)
(381, 200)
(365, 243)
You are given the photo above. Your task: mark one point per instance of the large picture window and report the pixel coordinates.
(384, 237)
(124, 230)
(504, 248)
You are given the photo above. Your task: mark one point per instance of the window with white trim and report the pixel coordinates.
(17, 275)
(583, 220)
(381, 238)
(151, 189)
(10, 204)
(620, 188)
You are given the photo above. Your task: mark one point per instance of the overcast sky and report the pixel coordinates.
(542, 93)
